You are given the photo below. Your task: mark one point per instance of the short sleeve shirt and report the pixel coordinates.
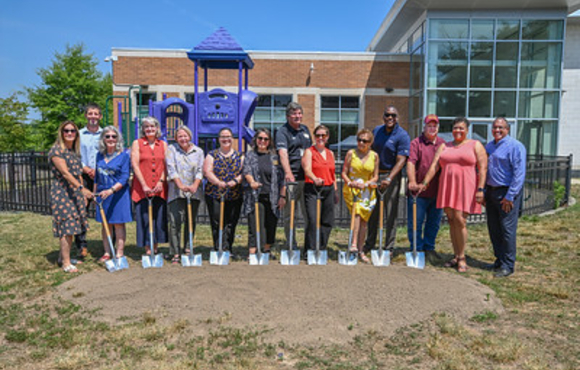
(390, 145)
(295, 142)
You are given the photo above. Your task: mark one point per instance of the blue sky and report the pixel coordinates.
(32, 31)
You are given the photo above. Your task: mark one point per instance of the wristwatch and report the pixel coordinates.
(480, 189)
(80, 187)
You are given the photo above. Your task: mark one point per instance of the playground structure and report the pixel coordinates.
(213, 110)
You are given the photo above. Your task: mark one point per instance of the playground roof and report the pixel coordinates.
(220, 51)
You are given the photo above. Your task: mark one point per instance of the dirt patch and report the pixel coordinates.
(300, 304)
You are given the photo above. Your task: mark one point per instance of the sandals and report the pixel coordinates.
(363, 257)
(353, 249)
(70, 269)
(105, 258)
(452, 262)
(175, 260)
(462, 265)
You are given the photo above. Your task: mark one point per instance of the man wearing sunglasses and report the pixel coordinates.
(392, 144)
(292, 140)
(421, 155)
(89, 135)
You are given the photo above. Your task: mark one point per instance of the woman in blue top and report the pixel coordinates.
(112, 186)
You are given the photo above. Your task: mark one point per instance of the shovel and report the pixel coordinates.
(317, 257)
(258, 258)
(291, 256)
(152, 260)
(220, 257)
(381, 257)
(191, 259)
(114, 264)
(415, 259)
(348, 258)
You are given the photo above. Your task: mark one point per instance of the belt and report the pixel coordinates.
(496, 187)
(385, 171)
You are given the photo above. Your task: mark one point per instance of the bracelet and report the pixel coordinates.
(480, 189)
(283, 196)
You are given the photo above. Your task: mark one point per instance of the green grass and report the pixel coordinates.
(539, 329)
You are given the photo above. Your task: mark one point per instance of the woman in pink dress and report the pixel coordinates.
(463, 164)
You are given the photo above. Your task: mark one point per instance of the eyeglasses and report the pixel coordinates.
(110, 136)
(361, 140)
(69, 131)
(320, 136)
(260, 138)
(387, 115)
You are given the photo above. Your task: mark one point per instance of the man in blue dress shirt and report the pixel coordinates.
(392, 144)
(506, 171)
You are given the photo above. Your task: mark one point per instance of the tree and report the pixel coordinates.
(68, 85)
(14, 132)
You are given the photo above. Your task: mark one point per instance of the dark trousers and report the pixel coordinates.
(81, 239)
(390, 214)
(268, 223)
(326, 216)
(177, 217)
(232, 209)
(502, 226)
(159, 222)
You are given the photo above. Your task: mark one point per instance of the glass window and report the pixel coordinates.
(504, 104)
(190, 98)
(270, 111)
(480, 104)
(447, 64)
(447, 103)
(541, 65)
(417, 66)
(481, 64)
(482, 29)
(341, 115)
(538, 104)
(508, 29)
(448, 28)
(506, 62)
(479, 132)
(539, 137)
(143, 108)
(542, 29)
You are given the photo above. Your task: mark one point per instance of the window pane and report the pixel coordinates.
(349, 116)
(416, 106)
(262, 115)
(345, 132)
(479, 132)
(448, 28)
(539, 137)
(508, 29)
(279, 115)
(542, 29)
(417, 66)
(481, 64)
(349, 102)
(282, 100)
(329, 101)
(504, 104)
(447, 103)
(329, 115)
(264, 100)
(482, 29)
(534, 104)
(541, 65)
(447, 64)
(506, 64)
(480, 104)
(333, 129)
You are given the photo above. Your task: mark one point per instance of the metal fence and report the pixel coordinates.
(25, 180)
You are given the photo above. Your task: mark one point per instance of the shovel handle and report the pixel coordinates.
(257, 211)
(106, 226)
(317, 225)
(190, 224)
(150, 212)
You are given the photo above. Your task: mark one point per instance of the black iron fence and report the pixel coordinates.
(25, 180)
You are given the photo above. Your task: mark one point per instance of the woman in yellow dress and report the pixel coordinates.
(360, 170)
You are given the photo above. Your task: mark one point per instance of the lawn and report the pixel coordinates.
(539, 329)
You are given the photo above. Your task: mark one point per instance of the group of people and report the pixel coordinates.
(455, 178)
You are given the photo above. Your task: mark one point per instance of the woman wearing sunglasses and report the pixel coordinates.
(319, 166)
(113, 168)
(265, 176)
(360, 170)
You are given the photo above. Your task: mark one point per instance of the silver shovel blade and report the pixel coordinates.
(347, 259)
(417, 261)
(290, 258)
(191, 261)
(263, 260)
(152, 261)
(380, 258)
(321, 259)
(219, 258)
(111, 266)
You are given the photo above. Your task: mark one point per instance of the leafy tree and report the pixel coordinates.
(68, 85)
(14, 132)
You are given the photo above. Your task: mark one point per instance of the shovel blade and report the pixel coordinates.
(290, 257)
(347, 259)
(111, 266)
(381, 258)
(321, 259)
(263, 260)
(146, 262)
(417, 261)
(191, 261)
(219, 258)
(122, 263)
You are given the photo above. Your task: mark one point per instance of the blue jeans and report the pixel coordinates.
(427, 214)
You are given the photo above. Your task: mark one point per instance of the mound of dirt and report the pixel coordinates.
(301, 304)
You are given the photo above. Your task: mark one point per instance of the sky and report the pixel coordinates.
(31, 32)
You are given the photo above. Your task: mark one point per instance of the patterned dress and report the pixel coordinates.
(361, 172)
(69, 216)
(225, 169)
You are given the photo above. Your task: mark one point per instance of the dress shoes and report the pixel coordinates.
(502, 273)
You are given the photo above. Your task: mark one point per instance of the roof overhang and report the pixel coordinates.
(405, 13)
